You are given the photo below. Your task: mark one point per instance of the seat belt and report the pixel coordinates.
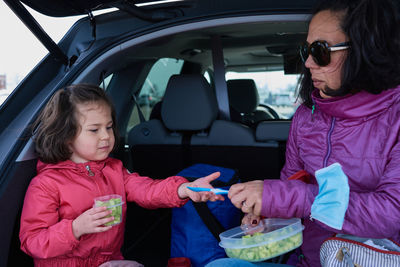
(221, 88)
(186, 154)
(140, 113)
(209, 219)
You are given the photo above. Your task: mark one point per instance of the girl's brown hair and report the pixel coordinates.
(57, 124)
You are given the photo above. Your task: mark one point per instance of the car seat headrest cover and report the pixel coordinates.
(243, 95)
(189, 103)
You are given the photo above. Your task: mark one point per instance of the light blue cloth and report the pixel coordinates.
(231, 262)
(331, 203)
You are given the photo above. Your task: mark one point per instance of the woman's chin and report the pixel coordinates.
(323, 95)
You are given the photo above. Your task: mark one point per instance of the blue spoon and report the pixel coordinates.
(217, 191)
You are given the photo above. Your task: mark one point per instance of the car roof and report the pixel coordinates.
(63, 8)
(152, 12)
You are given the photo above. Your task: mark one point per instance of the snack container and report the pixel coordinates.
(112, 202)
(271, 238)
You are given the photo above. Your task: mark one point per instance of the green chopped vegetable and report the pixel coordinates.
(115, 206)
(264, 252)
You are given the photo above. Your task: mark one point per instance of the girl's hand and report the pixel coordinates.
(185, 192)
(92, 221)
(247, 196)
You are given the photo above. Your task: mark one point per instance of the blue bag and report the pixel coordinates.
(190, 237)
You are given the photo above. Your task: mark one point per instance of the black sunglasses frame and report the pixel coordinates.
(321, 51)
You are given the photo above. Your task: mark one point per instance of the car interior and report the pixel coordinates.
(191, 95)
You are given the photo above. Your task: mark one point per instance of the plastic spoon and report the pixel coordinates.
(217, 191)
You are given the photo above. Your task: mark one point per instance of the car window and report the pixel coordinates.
(106, 81)
(154, 87)
(275, 89)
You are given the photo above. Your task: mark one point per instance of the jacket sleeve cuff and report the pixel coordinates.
(265, 208)
(179, 181)
(287, 199)
(72, 240)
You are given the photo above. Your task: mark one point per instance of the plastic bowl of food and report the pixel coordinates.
(113, 203)
(269, 239)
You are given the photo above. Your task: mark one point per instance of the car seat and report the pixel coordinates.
(243, 102)
(160, 146)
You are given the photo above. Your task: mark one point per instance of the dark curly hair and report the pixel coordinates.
(57, 123)
(373, 60)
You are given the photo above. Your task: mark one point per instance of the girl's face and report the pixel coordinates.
(95, 138)
(325, 26)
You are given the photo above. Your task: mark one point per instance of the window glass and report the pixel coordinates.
(153, 88)
(275, 89)
(104, 83)
(207, 76)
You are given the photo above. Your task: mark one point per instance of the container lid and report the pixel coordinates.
(270, 230)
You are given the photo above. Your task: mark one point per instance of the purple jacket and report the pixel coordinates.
(362, 133)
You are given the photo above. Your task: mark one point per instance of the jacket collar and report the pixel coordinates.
(361, 104)
(68, 164)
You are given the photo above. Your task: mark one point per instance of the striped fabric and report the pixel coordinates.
(340, 252)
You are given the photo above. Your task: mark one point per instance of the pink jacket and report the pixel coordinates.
(61, 192)
(362, 133)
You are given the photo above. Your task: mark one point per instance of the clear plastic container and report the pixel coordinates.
(269, 239)
(113, 203)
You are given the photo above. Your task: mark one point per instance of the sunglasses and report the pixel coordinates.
(321, 51)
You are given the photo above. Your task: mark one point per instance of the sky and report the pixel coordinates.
(16, 57)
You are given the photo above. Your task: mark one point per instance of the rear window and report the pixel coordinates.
(154, 87)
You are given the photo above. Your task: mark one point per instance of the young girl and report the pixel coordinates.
(59, 225)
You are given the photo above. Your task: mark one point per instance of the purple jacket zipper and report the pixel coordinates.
(328, 153)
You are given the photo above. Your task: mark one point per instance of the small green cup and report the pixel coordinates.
(113, 203)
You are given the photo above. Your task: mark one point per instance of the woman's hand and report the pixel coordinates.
(247, 196)
(250, 223)
(92, 221)
(185, 192)
(251, 220)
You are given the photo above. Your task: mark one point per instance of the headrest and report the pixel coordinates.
(243, 95)
(189, 103)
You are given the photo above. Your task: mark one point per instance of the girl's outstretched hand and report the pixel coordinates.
(185, 192)
(92, 221)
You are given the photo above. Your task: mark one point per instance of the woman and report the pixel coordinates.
(349, 114)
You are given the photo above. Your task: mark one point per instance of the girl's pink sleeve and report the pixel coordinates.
(152, 194)
(42, 235)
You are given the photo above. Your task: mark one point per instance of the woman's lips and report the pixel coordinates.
(317, 83)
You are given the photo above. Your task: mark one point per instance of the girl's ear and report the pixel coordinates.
(69, 145)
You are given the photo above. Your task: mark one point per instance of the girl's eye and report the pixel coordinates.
(109, 128)
(93, 130)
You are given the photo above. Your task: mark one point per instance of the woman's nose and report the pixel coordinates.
(310, 63)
